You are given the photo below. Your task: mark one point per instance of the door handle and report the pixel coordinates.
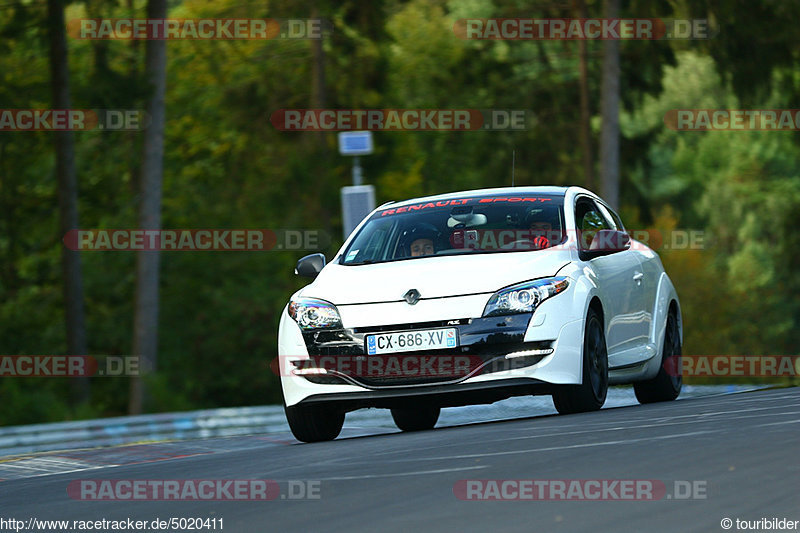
(638, 277)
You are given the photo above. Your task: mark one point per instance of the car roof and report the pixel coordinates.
(543, 189)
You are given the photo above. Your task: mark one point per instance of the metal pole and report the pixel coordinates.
(356, 171)
(513, 165)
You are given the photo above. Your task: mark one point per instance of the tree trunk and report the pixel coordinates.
(67, 196)
(134, 162)
(586, 112)
(609, 134)
(318, 97)
(318, 89)
(145, 334)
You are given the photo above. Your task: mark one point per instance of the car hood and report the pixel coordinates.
(433, 277)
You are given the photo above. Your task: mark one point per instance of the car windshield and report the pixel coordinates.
(483, 224)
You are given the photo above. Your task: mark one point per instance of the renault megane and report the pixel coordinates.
(474, 297)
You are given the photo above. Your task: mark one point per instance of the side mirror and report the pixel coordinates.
(310, 265)
(605, 242)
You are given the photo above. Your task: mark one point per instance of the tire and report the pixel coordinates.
(416, 419)
(315, 423)
(590, 395)
(666, 386)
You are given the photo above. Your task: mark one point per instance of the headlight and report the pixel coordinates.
(525, 297)
(310, 313)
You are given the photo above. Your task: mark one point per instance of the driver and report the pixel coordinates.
(541, 222)
(421, 240)
(422, 246)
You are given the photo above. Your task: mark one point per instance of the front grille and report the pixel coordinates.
(486, 359)
(480, 339)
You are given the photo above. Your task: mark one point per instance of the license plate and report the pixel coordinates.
(409, 341)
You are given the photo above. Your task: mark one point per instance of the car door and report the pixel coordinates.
(647, 281)
(619, 279)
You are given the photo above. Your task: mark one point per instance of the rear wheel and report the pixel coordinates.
(416, 419)
(314, 423)
(590, 395)
(667, 384)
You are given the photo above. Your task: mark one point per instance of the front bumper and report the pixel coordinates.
(433, 395)
(484, 341)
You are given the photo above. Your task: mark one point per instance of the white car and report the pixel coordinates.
(473, 297)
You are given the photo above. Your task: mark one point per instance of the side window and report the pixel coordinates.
(588, 220)
(611, 216)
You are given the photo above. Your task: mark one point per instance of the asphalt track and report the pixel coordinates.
(743, 448)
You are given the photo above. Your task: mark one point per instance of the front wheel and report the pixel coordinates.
(416, 419)
(590, 395)
(668, 382)
(314, 423)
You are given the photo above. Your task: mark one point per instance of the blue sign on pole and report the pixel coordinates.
(355, 142)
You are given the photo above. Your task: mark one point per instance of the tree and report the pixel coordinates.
(609, 102)
(67, 195)
(145, 332)
(586, 112)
